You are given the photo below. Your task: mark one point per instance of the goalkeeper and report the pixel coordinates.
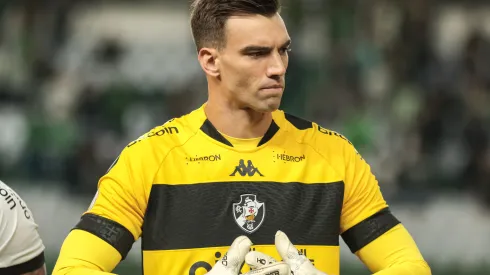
(238, 165)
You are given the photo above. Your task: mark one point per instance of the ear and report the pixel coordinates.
(209, 61)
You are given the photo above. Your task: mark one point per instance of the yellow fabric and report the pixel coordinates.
(118, 198)
(200, 258)
(243, 143)
(167, 155)
(85, 254)
(394, 253)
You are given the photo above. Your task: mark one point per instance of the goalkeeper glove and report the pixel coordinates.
(233, 260)
(299, 264)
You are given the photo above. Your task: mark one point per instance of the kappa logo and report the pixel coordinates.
(249, 213)
(244, 170)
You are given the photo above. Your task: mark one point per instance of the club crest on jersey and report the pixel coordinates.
(249, 213)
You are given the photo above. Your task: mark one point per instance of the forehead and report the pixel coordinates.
(255, 29)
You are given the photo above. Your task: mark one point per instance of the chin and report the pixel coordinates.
(269, 105)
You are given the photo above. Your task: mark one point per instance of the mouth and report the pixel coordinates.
(271, 87)
(275, 89)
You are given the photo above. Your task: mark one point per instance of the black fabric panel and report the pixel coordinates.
(208, 129)
(110, 231)
(29, 266)
(301, 124)
(273, 128)
(369, 230)
(202, 215)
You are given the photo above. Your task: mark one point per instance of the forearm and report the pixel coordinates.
(77, 271)
(395, 252)
(85, 254)
(39, 271)
(407, 268)
(72, 266)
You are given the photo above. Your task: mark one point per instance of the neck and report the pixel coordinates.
(236, 121)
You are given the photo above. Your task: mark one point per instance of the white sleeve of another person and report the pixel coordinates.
(19, 239)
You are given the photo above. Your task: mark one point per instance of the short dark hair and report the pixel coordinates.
(208, 17)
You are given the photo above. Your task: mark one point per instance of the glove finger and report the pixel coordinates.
(277, 268)
(256, 259)
(298, 262)
(235, 256)
(288, 252)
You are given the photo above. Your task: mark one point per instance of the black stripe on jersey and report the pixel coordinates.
(273, 128)
(301, 124)
(202, 215)
(208, 128)
(29, 266)
(369, 230)
(110, 231)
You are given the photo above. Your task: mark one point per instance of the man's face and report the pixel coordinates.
(254, 61)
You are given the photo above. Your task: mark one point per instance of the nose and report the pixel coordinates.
(277, 66)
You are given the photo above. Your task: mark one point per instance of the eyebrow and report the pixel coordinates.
(252, 48)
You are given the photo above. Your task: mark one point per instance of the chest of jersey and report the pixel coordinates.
(282, 160)
(205, 195)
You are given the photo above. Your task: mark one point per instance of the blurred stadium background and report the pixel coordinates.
(407, 81)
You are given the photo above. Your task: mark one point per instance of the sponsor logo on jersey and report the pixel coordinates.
(333, 133)
(159, 133)
(246, 170)
(12, 199)
(287, 158)
(199, 159)
(249, 213)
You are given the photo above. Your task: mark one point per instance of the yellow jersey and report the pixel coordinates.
(188, 191)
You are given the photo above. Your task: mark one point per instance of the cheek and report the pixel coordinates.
(245, 75)
(242, 75)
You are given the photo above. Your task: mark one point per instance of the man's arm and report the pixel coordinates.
(394, 252)
(39, 271)
(21, 247)
(105, 233)
(369, 228)
(84, 253)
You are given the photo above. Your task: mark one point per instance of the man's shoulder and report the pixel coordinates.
(172, 133)
(312, 133)
(5, 202)
(16, 215)
(25, 245)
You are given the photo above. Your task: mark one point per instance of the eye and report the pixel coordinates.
(257, 54)
(285, 50)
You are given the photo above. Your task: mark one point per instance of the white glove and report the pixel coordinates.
(264, 264)
(300, 265)
(233, 260)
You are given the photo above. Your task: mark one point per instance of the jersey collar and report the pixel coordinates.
(208, 128)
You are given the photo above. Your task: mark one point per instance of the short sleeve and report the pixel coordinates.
(117, 210)
(21, 246)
